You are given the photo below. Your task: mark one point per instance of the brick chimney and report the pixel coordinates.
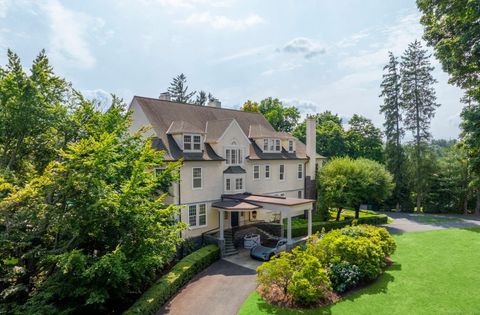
(165, 96)
(215, 103)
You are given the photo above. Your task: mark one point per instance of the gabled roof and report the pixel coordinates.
(215, 129)
(234, 170)
(259, 131)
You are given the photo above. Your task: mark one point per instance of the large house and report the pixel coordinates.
(237, 169)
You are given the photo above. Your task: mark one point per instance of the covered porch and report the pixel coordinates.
(253, 203)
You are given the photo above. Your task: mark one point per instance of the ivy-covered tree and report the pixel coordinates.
(394, 153)
(419, 103)
(452, 29)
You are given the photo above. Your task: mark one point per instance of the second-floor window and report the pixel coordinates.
(256, 172)
(238, 183)
(233, 156)
(197, 177)
(228, 185)
(282, 172)
(267, 171)
(197, 215)
(192, 143)
(300, 171)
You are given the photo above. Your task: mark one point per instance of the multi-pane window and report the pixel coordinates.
(256, 172)
(228, 185)
(233, 156)
(282, 172)
(300, 171)
(238, 183)
(192, 142)
(197, 177)
(272, 145)
(267, 171)
(197, 215)
(290, 146)
(202, 214)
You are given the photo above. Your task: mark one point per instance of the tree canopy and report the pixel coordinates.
(282, 118)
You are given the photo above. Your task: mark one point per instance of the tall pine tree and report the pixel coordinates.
(394, 153)
(179, 90)
(419, 102)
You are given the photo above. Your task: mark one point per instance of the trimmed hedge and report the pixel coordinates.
(168, 285)
(302, 229)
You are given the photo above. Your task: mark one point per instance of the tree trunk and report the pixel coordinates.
(339, 211)
(357, 212)
(465, 205)
(13, 158)
(477, 207)
(398, 206)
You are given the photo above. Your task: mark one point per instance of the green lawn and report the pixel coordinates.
(434, 272)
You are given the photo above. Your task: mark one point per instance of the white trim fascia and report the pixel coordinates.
(229, 126)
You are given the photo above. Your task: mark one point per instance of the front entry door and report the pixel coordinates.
(234, 216)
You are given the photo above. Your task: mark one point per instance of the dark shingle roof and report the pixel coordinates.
(234, 170)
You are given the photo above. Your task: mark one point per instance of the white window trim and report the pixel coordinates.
(253, 171)
(201, 179)
(192, 136)
(272, 142)
(290, 141)
(242, 150)
(280, 173)
(197, 216)
(233, 186)
(225, 184)
(241, 181)
(303, 171)
(269, 172)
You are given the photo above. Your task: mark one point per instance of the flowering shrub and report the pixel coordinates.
(344, 276)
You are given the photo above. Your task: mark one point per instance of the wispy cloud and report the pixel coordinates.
(284, 67)
(222, 21)
(256, 51)
(189, 4)
(69, 31)
(304, 46)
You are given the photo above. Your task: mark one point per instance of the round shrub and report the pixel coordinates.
(344, 276)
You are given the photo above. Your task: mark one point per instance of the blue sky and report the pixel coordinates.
(318, 55)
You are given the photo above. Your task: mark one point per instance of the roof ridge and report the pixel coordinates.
(217, 108)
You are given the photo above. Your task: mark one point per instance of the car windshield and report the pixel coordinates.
(270, 243)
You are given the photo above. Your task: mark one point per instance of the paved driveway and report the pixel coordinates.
(219, 290)
(413, 222)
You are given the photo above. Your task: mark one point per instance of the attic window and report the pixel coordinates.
(192, 142)
(290, 146)
(272, 145)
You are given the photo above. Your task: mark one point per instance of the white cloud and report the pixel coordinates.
(223, 22)
(305, 107)
(246, 53)
(69, 32)
(4, 5)
(284, 67)
(102, 98)
(304, 46)
(187, 4)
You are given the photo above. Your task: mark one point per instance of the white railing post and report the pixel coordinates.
(221, 224)
(309, 222)
(289, 228)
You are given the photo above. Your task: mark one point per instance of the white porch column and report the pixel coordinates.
(289, 228)
(221, 224)
(309, 222)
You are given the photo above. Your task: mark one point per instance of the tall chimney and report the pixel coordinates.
(311, 146)
(165, 96)
(215, 103)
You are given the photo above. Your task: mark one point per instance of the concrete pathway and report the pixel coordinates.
(219, 290)
(413, 222)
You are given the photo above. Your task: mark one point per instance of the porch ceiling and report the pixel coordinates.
(273, 200)
(235, 205)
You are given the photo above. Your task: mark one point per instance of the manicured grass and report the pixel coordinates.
(434, 272)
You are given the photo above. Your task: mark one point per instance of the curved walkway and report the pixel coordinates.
(413, 222)
(218, 290)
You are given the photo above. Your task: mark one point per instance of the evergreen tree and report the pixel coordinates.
(201, 98)
(394, 154)
(179, 90)
(419, 102)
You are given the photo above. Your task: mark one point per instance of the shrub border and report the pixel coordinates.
(168, 285)
(302, 229)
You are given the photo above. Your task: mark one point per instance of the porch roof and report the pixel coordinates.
(234, 205)
(275, 200)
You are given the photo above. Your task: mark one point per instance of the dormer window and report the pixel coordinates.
(192, 142)
(272, 145)
(291, 147)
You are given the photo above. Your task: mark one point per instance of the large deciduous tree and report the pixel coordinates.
(345, 182)
(364, 139)
(419, 102)
(452, 29)
(281, 117)
(394, 153)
